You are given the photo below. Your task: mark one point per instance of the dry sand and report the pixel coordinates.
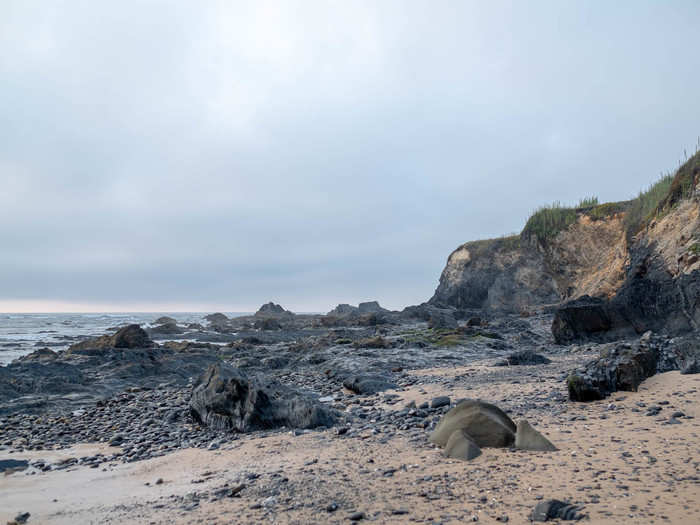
(626, 468)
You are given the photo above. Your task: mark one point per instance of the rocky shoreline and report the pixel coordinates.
(391, 382)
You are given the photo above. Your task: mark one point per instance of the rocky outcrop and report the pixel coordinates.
(610, 271)
(623, 366)
(131, 336)
(217, 317)
(272, 310)
(224, 398)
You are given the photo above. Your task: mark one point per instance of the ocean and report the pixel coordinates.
(21, 334)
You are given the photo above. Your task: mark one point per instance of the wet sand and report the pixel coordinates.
(625, 468)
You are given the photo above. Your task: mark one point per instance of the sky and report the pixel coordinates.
(201, 156)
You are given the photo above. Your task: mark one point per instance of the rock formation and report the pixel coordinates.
(610, 271)
(225, 398)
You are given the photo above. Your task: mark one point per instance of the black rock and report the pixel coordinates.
(13, 464)
(440, 401)
(224, 398)
(691, 367)
(623, 367)
(553, 509)
(217, 317)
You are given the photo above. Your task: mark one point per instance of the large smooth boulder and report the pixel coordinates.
(225, 398)
(486, 424)
(527, 438)
(461, 446)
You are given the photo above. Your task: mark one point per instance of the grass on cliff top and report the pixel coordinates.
(655, 201)
(546, 222)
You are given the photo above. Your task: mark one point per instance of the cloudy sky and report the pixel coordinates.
(218, 155)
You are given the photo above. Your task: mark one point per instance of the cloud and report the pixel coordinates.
(315, 152)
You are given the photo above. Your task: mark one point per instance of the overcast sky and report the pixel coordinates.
(218, 155)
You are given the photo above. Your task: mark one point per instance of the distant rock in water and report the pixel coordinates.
(217, 317)
(169, 328)
(164, 320)
(225, 398)
(131, 336)
(273, 310)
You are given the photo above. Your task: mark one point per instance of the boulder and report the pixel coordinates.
(366, 384)
(169, 328)
(523, 357)
(582, 318)
(461, 446)
(527, 438)
(553, 509)
(217, 317)
(273, 310)
(621, 367)
(131, 336)
(225, 398)
(165, 320)
(486, 424)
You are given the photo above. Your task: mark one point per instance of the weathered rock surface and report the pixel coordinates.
(461, 446)
(168, 328)
(527, 438)
(272, 309)
(225, 398)
(611, 277)
(217, 317)
(623, 366)
(486, 424)
(131, 336)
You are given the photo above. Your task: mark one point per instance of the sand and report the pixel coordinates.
(626, 468)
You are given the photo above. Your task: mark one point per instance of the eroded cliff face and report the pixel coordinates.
(602, 281)
(514, 275)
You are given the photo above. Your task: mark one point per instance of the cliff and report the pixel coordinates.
(607, 269)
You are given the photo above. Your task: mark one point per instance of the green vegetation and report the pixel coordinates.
(546, 222)
(655, 201)
(641, 209)
(695, 249)
(604, 211)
